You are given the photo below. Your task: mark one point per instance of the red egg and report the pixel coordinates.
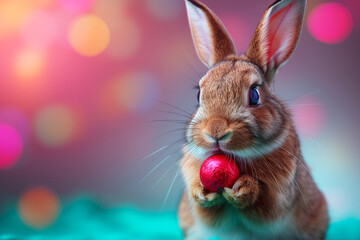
(218, 172)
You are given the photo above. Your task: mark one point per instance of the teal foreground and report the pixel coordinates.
(85, 219)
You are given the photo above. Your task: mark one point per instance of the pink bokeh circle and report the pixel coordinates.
(330, 23)
(309, 116)
(11, 146)
(17, 119)
(77, 6)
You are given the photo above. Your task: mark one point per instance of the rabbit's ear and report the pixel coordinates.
(212, 41)
(276, 36)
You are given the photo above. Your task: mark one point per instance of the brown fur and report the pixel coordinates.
(275, 196)
(278, 172)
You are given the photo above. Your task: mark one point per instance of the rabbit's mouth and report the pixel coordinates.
(202, 153)
(219, 151)
(227, 153)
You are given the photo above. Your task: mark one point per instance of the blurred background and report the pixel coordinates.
(94, 96)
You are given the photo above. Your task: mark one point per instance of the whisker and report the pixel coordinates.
(154, 168)
(159, 164)
(190, 147)
(294, 179)
(188, 77)
(306, 95)
(175, 113)
(168, 192)
(292, 155)
(256, 174)
(153, 153)
(162, 176)
(273, 177)
(170, 131)
(297, 159)
(295, 182)
(313, 140)
(170, 121)
(166, 120)
(312, 93)
(184, 129)
(171, 105)
(179, 149)
(193, 66)
(173, 143)
(306, 104)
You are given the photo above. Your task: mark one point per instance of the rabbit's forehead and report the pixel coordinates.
(225, 87)
(232, 74)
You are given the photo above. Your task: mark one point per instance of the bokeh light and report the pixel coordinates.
(11, 146)
(111, 10)
(77, 6)
(12, 14)
(125, 33)
(56, 125)
(354, 8)
(42, 3)
(80, 119)
(125, 38)
(89, 35)
(330, 23)
(164, 9)
(309, 115)
(136, 91)
(38, 207)
(176, 57)
(40, 29)
(17, 119)
(29, 64)
(131, 92)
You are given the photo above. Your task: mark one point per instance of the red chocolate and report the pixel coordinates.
(218, 172)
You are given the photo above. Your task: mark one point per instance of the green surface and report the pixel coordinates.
(85, 219)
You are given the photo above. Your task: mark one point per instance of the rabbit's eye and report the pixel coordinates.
(254, 96)
(198, 96)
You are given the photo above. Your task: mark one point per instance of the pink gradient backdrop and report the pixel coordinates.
(100, 123)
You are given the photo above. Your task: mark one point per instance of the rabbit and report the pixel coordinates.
(239, 115)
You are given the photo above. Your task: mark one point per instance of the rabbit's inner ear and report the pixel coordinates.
(277, 35)
(212, 41)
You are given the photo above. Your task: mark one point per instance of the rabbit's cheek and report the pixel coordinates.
(270, 121)
(242, 137)
(197, 135)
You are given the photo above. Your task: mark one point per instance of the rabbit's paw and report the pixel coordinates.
(204, 197)
(243, 193)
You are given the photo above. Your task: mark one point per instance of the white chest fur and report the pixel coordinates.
(234, 226)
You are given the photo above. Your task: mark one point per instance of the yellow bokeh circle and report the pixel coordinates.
(38, 207)
(55, 125)
(89, 35)
(12, 15)
(29, 64)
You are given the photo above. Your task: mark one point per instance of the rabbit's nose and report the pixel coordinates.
(217, 130)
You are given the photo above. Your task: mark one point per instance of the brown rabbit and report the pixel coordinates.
(275, 196)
